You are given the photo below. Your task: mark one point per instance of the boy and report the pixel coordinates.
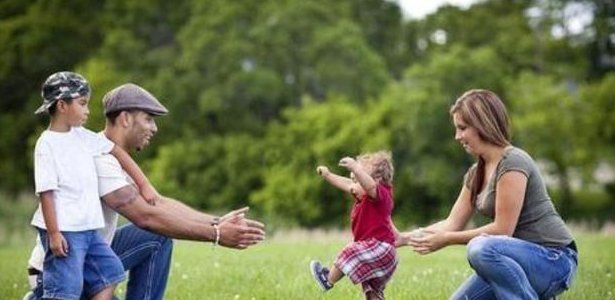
(69, 211)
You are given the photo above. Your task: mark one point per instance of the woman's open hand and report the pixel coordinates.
(428, 241)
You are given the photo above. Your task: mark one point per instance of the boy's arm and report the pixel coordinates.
(340, 182)
(132, 169)
(363, 178)
(57, 243)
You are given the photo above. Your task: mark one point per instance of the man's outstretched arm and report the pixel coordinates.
(173, 219)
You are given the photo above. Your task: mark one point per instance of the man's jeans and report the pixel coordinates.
(147, 257)
(510, 268)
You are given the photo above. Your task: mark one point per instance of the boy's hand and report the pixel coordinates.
(322, 171)
(58, 244)
(150, 194)
(348, 163)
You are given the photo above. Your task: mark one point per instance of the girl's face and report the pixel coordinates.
(77, 111)
(466, 135)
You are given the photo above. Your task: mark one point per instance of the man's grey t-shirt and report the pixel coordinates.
(538, 222)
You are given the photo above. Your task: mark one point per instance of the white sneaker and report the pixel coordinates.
(29, 296)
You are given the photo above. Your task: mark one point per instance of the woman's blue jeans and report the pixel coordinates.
(511, 268)
(147, 258)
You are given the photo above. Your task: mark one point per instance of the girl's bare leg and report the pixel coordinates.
(105, 294)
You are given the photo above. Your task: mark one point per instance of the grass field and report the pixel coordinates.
(278, 269)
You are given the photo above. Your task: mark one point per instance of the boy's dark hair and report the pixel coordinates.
(52, 109)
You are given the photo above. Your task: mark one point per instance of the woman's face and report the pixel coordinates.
(466, 135)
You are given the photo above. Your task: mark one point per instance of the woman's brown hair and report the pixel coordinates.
(484, 111)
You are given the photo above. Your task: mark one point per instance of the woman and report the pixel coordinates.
(526, 252)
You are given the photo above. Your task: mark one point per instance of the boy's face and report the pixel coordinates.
(77, 111)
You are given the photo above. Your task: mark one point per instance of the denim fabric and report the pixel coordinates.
(510, 268)
(89, 260)
(147, 257)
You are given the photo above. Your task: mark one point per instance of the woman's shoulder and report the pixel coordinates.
(516, 158)
(516, 153)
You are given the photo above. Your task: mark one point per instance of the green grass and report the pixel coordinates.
(279, 270)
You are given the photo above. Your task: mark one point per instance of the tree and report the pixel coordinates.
(36, 40)
(544, 114)
(318, 133)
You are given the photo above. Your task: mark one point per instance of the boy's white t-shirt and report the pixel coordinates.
(64, 164)
(111, 177)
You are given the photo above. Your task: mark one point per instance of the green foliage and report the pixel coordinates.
(35, 41)
(318, 133)
(598, 117)
(217, 172)
(235, 76)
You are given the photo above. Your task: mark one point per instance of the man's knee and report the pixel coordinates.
(167, 243)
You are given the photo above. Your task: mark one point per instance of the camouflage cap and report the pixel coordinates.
(131, 96)
(62, 85)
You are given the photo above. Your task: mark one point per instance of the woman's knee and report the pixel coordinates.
(480, 246)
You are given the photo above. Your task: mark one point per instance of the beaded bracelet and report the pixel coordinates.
(217, 240)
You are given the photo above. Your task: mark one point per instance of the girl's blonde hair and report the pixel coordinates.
(380, 165)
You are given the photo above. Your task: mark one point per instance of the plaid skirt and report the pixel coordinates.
(370, 262)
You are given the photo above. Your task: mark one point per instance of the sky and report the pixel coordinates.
(416, 9)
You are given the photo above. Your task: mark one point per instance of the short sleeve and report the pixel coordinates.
(514, 162)
(45, 171)
(111, 177)
(97, 144)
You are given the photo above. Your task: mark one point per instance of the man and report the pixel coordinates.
(145, 246)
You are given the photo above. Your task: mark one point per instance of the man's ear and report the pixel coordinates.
(125, 118)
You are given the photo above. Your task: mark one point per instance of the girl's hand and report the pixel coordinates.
(322, 171)
(348, 163)
(425, 241)
(58, 245)
(403, 238)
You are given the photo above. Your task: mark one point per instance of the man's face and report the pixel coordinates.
(142, 129)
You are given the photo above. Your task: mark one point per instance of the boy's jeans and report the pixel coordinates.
(147, 257)
(511, 268)
(89, 261)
